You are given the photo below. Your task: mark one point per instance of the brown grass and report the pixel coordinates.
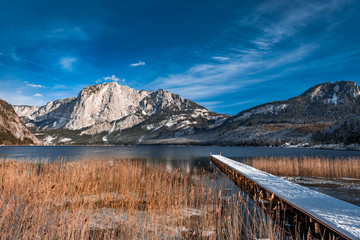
(308, 166)
(121, 199)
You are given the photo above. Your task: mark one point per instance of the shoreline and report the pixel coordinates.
(342, 147)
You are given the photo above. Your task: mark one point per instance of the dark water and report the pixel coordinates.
(164, 152)
(184, 157)
(187, 158)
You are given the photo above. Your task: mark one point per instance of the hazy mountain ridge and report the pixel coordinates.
(12, 130)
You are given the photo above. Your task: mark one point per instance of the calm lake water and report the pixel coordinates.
(184, 157)
(188, 158)
(175, 153)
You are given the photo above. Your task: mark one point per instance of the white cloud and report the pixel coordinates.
(140, 63)
(67, 63)
(37, 95)
(35, 85)
(111, 78)
(221, 59)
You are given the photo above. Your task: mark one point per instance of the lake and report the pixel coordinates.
(192, 158)
(174, 153)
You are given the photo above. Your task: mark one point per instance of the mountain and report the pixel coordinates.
(294, 120)
(12, 130)
(110, 113)
(345, 132)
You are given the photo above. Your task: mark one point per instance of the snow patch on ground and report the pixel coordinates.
(141, 139)
(217, 123)
(333, 100)
(113, 126)
(49, 140)
(64, 140)
(272, 108)
(29, 125)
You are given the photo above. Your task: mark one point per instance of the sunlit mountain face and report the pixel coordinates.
(109, 113)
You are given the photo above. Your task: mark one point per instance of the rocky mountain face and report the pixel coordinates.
(294, 120)
(110, 113)
(12, 130)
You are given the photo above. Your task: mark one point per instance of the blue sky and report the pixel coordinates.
(225, 55)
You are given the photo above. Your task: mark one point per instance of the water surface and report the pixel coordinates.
(190, 159)
(163, 152)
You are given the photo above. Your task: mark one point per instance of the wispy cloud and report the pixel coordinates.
(67, 63)
(35, 85)
(111, 78)
(256, 60)
(239, 103)
(14, 57)
(140, 63)
(209, 80)
(64, 31)
(210, 104)
(37, 95)
(219, 58)
(298, 15)
(17, 64)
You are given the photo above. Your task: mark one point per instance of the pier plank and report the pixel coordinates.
(338, 215)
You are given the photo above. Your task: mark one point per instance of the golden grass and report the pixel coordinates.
(121, 199)
(308, 166)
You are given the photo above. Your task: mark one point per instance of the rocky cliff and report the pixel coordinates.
(110, 113)
(12, 130)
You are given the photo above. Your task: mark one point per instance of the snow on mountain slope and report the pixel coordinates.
(110, 113)
(107, 109)
(106, 102)
(294, 120)
(25, 110)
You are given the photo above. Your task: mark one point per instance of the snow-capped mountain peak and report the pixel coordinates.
(110, 107)
(341, 91)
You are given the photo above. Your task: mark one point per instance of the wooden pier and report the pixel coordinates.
(309, 211)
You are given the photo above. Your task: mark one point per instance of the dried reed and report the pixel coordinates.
(121, 199)
(308, 166)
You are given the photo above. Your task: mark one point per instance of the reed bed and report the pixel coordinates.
(308, 166)
(122, 199)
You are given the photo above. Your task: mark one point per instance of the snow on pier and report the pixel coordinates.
(338, 215)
